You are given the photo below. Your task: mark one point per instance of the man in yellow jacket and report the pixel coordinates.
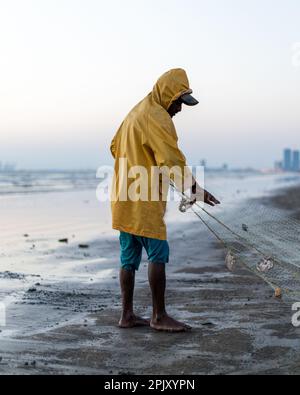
(147, 140)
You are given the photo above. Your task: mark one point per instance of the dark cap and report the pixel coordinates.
(189, 100)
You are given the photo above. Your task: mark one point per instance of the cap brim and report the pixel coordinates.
(189, 100)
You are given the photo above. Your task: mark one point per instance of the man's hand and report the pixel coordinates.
(210, 199)
(201, 195)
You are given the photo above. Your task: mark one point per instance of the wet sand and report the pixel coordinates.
(286, 199)
(238, 325)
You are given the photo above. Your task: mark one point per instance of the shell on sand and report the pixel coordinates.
(265, 265)
(230, 261)
(278, 293)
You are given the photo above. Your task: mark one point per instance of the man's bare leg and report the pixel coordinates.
(161, 321)
(129, 319)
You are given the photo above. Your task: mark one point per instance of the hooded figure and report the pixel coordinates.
(148, 138)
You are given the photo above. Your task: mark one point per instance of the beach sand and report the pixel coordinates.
(70, 326)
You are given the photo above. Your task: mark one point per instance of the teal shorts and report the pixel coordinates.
(132, 248)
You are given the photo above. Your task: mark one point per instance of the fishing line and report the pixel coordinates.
(186, 204)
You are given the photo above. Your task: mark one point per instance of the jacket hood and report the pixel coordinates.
(170, 87)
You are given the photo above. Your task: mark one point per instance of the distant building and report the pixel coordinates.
(287, 161)
(296, 161)
(291, 161)
(278, 165)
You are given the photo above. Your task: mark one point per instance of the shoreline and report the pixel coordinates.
(238, 325)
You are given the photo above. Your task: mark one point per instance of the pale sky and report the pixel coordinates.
(70, 71)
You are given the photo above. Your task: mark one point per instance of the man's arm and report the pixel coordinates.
(162, 140)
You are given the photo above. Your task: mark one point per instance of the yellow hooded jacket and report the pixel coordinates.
(148, 138)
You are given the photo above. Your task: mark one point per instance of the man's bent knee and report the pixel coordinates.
(129, 268)
(155, 263)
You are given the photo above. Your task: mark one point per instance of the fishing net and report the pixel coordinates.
(265, 240)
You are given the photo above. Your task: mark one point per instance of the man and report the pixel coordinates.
(147, 138)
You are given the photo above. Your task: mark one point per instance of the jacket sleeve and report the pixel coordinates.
(162, 139)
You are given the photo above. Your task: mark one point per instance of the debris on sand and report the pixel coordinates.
(230, 261)
(278, 293)
(65, 241)
(12, 276)
(208, 324)
(265, 265)
(83, 246)
(245, 228)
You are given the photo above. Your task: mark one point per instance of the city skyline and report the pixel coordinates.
(290, 161)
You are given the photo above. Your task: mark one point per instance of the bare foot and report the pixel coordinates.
(132, 321)
(168, 324)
